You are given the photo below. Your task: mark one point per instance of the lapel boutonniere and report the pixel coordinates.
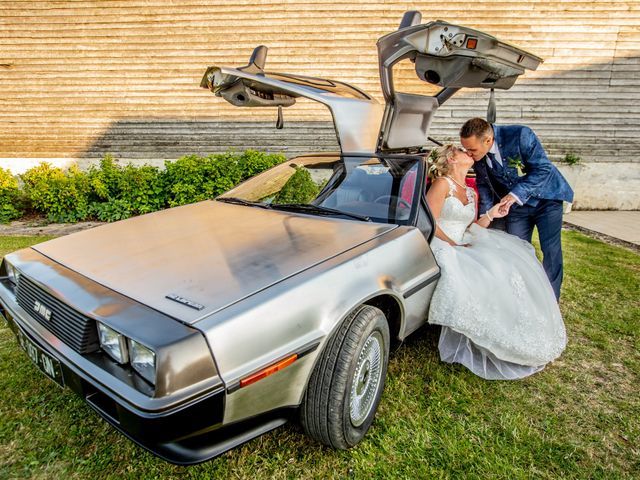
(516, 163)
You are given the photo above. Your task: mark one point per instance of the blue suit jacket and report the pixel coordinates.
(541, 180)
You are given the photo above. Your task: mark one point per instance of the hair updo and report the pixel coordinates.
(439, 160)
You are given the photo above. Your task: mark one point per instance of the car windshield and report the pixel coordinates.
(363, 188)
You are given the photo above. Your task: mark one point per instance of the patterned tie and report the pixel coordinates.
(492, 159)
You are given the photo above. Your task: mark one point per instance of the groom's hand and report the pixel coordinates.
(503, 209)
(505, 203)
(497, 211)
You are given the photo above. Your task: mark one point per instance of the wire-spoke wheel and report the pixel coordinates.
(366, 379)
(348, 379)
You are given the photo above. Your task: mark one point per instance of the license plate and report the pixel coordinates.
(49, 365)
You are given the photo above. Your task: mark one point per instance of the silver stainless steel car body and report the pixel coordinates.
(281, 284)
(237, 302)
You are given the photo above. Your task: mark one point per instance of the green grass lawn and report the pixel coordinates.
(579, 418)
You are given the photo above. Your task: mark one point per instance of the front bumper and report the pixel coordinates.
(188, 433)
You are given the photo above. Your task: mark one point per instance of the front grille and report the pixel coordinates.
(73, 328)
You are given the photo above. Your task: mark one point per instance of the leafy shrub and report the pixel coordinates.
(110, 210)
(193, 178)
(143, 188)
(61, 196)
(105, 180)
(190, 179)
(10, 197)
(121, 192)
(111, 192)
(572, 158)
(300, 188)
(252, 162)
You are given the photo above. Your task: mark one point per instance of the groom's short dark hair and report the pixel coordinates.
(477, 127)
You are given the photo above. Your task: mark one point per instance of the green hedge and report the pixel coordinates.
(111, 192)
(300, 188)
(11, 198)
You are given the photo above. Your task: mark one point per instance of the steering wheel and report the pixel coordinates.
(385, 198)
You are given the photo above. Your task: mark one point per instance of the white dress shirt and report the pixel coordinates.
(496, 152)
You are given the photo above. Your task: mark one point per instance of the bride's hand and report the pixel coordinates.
(497, 211)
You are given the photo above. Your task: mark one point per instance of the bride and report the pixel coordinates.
(498, 312)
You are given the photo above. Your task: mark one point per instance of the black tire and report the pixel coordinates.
(352, 368)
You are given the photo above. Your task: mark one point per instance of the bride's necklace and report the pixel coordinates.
(457, 182)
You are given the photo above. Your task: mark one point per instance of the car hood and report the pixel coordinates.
(207, 255)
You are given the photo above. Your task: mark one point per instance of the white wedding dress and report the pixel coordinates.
(497, 309)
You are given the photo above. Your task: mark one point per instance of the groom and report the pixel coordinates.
(517, 174)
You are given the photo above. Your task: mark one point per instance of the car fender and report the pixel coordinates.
(298, 315)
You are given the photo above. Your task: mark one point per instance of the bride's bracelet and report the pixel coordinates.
(486, 214)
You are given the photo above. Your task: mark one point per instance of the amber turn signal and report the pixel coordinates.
(268, 371)
(472, 43)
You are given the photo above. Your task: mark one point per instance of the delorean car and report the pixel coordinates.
(197, 328)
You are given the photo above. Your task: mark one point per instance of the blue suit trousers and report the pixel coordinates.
(547, 217)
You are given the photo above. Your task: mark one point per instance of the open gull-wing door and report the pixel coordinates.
(447, 55)
(356, 115)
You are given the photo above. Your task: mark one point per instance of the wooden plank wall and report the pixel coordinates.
(82, 78)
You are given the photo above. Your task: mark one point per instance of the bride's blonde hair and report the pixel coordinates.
(439, 160)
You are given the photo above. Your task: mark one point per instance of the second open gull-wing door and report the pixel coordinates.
(356, 115)
(447, 55)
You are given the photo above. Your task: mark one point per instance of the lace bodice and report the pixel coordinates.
(455, 216)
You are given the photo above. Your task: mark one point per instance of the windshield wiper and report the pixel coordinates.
(317, 209)
(240, 201)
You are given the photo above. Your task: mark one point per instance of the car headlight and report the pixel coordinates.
(12, 273)
(113, 343)
(143, 361)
